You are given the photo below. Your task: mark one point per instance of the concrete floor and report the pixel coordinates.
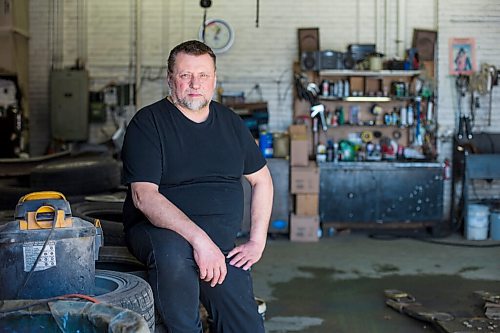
(337, 284)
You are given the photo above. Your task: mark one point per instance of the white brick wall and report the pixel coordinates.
(39, 67)
(261, 55)
(479, 20)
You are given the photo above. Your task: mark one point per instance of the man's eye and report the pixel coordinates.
(185, 76)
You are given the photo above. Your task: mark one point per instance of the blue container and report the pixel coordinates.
(279, 224)
(495, 225)
(266, 144)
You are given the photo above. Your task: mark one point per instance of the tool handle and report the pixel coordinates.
(460, 133)
(323, 121)
(42, 195)
(468, 128)
(38, 219)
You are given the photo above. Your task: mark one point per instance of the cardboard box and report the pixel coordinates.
(372, 85)
(304, 179)
(429, 67)
(307, 204)
(297, 132)
(299, 155)
(14, 16)
(304, 228)
(357, 83)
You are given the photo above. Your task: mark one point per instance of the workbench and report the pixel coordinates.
(381, 194)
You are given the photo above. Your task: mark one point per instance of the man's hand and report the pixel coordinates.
(246, 255)
(211, 262)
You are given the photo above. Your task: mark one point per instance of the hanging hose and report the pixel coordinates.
(51, 299)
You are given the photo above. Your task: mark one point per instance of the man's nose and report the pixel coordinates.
(195, 81)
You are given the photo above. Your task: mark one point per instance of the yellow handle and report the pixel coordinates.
(34, 222)
(42, 195)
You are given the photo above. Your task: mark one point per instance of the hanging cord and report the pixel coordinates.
(28, 276)
(204, 4)
(51, 299)
(204, 24)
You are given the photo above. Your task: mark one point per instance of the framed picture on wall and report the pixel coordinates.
(462, 56)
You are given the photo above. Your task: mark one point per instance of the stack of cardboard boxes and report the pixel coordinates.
(304, 186)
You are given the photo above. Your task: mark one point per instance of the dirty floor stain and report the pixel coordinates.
(320, 303)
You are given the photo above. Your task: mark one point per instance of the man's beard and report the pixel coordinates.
(193, 104)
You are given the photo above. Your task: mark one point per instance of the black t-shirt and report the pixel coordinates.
(197, 166)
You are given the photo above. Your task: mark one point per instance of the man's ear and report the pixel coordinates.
(169, 83)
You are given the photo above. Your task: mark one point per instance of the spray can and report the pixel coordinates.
(325, 88)
(403, 116)
(410, 115)
(335, 152)
(346, 88)
(430, 109)
(330, 151)
(447, 169)
(341, 88)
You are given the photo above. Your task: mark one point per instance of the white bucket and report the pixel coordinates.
(477, 221)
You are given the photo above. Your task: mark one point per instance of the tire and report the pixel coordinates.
(6, 216)
(111, 216)
(80, 176)
(11, 190)
(127, 291)
(118, 258)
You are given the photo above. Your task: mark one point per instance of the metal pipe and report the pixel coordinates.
(131, 47)
(138, 58)
(50, 29)
(385, 26)
(397, 40)
(57, 51)
(81, 32)
(357, 20)
(376, 22)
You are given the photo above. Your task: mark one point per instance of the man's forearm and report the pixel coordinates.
(164, 214)
(261, 208)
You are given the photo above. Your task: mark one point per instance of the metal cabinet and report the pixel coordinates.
(69, 104)
(280, 172)
(381, 192)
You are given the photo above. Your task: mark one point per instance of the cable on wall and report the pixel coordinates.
(81, 34)
(257, 14)
(205, 4)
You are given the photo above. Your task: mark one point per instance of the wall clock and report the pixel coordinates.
(219, 35)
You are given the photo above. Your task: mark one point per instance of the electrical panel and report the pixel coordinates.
(69, 103)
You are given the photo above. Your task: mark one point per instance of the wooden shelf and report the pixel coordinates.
(370, 126)
(378, 99)
(382, 73)
(244, 109)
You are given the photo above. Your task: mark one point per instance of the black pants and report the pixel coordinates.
(174, 278)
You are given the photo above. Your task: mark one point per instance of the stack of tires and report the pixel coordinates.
(76, 178)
